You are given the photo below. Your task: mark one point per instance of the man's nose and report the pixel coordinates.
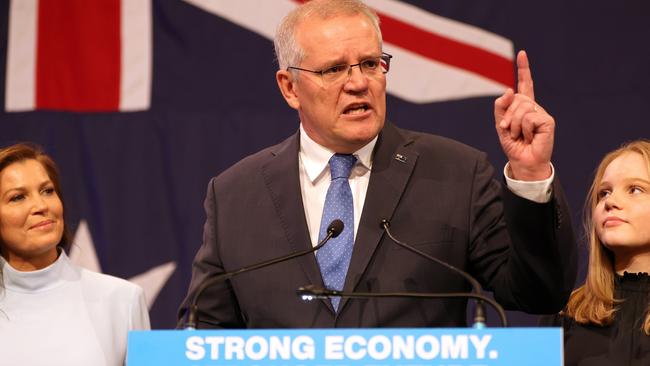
(356, 78)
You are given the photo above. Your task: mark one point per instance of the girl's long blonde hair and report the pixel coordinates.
(594, 302)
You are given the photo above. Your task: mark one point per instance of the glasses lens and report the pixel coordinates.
(385, 62)
(334, 73)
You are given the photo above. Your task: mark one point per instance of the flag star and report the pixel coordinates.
(83, 254)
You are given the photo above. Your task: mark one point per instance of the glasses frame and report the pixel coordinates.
(384, 57)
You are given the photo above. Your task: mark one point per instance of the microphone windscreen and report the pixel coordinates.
(335, 227)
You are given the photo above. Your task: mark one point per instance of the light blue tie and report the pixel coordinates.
(334, 257)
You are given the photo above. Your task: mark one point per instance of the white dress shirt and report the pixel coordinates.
(315, 180)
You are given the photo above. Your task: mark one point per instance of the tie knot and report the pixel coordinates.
(341, 165)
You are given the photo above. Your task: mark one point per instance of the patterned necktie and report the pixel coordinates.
(334, 257)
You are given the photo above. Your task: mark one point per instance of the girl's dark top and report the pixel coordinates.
(621, 343)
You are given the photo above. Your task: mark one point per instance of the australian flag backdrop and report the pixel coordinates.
(142, 101)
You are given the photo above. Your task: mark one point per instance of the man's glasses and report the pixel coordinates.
(370, 67)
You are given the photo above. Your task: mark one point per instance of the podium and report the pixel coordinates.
(349, 346)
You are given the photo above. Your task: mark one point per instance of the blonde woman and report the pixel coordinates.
(607, 321)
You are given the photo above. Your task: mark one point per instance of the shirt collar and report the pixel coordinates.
(315, 157)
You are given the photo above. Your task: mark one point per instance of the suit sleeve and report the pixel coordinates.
(523, 251)
(217, 305)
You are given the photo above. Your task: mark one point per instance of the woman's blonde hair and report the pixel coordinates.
(594, 302)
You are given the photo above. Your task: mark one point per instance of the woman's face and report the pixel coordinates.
(31, 216)
(622, 215)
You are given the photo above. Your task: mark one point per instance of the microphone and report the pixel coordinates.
(479, 312)
(333, 230)
(311, 292)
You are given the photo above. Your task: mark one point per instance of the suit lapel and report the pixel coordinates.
(392, 165)
(282, 181)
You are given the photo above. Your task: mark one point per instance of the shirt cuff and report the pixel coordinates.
(537, 191)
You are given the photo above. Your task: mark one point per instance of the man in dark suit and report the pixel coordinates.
(438, 195)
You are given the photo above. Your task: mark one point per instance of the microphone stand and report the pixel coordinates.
(311, 292)
(479, 310)
(333, 230)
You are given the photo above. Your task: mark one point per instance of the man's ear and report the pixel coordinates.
(287, 86)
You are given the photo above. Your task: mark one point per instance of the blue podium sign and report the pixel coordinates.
(337, 347)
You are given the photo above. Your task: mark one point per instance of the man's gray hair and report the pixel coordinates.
(287, 50)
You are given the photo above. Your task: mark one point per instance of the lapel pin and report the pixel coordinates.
(401, 158)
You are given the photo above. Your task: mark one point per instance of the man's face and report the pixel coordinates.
(345, 115)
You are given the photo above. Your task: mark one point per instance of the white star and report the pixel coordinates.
(82, 253)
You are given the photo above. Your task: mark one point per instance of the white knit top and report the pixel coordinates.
(66, 315)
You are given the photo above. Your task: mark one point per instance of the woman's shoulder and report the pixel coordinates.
(108, 286)
(94, 284)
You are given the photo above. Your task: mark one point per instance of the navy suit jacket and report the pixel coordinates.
(440, 196)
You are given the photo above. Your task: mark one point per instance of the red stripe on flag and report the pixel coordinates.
(445, 50)
(78, 55)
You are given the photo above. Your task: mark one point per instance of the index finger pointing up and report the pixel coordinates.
(524, 77)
